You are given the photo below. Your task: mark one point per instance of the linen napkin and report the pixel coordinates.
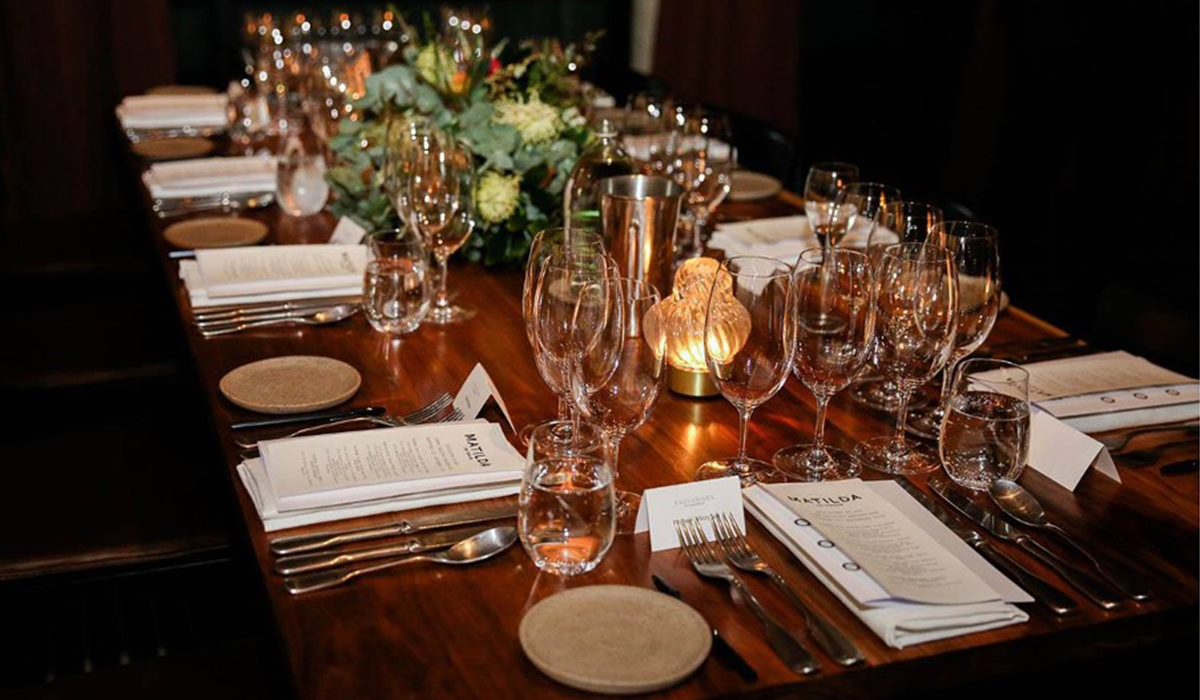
(247, 275)
(899, 623)
(172, 111)
(785, 237)
(210, 176)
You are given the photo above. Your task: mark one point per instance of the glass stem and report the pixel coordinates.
(899, 444)
(612, 445)
(743, 424)
(947, 378)
(819, 430)
(564, 409)
(442, 299)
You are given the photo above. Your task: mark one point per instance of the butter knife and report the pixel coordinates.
(721, 648)
(1096, 590)
(304, 563)
(297, 544)
(1045, 593)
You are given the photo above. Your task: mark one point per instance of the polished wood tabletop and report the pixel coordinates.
(428, 632)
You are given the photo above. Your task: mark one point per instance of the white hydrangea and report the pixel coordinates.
(573, 118)
(537, 121)
(497, 196)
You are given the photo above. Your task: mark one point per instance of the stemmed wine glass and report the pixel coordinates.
(916, 316)
(902, 222)
(703, 164)
(749, 345)
(824, 183)
(976, 252)
(621, 373)
(401, 133)
(834, 325)
(439, 190)
(858, 211)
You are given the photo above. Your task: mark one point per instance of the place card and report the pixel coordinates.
(662, 506)
(1064, 454)
(347, 232)
(475, 393)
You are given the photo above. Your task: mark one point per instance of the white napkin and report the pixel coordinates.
(243, 275)
(899, 624)
(172, 111)
(210, 176)
(784, 237)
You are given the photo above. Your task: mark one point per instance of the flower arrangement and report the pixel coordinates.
(514, 109)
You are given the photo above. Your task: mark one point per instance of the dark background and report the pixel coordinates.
(1070, 126)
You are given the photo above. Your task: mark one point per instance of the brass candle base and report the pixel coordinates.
(691, 383)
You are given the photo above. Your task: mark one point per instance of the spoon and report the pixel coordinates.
(318, 317)
(1020, 505)
(477, 547)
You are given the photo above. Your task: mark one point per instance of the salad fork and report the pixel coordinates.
(425, 414)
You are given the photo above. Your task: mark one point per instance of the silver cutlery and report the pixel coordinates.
(476, 548)
(1042, 590)
(1020, 505)
(707, 562)
(425, 414)
(317, 561)
(296, 544)
(227, 312)
(166, 208)
(218, 324)
(308, 418)
(319, 317)
(742, 555)
(1118, 442)
(1095, 589)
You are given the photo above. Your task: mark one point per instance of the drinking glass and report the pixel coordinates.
(402, 132)
(749, 345)
(621, 374)
(985, 434)
(439, 186)
(916, 316)
(976, 252)
(300, 183)
(902, 222)
(566, 515)
(395, 287)
(703, 164)
(834, 326)
(821, 188)
(858, 211)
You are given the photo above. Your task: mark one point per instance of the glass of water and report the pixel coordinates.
(985, 432)
(395, 287)
(567, 514)
(300, 183)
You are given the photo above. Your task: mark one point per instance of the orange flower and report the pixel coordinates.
(458, 83)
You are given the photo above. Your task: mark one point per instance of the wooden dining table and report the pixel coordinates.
(432, 632)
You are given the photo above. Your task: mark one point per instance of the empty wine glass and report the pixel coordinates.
(985, 434)
(916, 316)
(749, 345)
(703, 164)
(401, 134)
(821, 188)
(621, 374)
(976, 252)
(834, 326)
(858, 212)
(439, 186)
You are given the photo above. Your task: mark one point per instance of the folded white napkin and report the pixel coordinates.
(210, 176)
(172, 111)
(246, 275)
(784, 237)
(898, 623)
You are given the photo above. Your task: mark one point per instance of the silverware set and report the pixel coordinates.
(310, 312)
(228, 202)
(708, 558)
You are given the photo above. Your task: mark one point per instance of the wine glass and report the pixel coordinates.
(703, 164)
(439, 187)
(903, 222)
(834, 325)
(821, 188)
(401, 133)
(749, 344)
(985, 435)
(976, 252)
(916, 316)
(858, 211)
(621, 376)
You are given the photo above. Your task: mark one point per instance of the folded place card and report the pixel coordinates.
(1064, 454)
(347, 232)
(699, 500)
(476, 391)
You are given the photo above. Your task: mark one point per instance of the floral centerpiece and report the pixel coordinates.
(515, 110)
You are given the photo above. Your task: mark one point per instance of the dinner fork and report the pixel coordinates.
(742, 555)
(707, 562)
(425, 414)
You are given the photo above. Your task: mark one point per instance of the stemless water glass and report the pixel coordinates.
(395, 287)
(749, 345)
(916, 315)
(834, 325)
(824, 183)
(985, 434)
(566, 515)
(976, 251)
(621, 373)
(439, 189)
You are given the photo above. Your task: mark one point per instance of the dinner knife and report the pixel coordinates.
(1096, 590)
(304, 563)
(1045, 593)
(721, 648)
(309, 418)
(297, 544)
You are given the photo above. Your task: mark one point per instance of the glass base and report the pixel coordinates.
(875, 393)
(881, 454)
(806, 463)
(750, 471)
(925, 423)
(442, 315)
(627, 508)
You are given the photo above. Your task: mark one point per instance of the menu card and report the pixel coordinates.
(785, 237)
(1091, 374)
(232, 272)
(211, 176)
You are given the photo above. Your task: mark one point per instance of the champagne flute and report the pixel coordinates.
(902, 222)
(824, 183)
(976, 252)
(916, 317)
(622, 374)
(749, 345)
(439, 187)
(834, 325)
